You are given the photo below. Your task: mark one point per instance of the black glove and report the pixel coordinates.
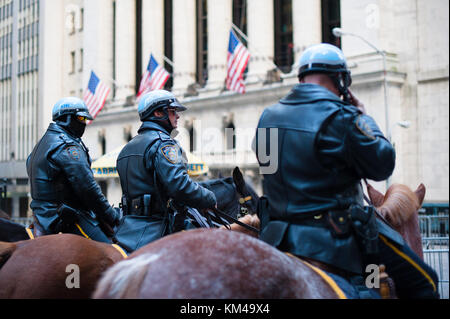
(67, 218)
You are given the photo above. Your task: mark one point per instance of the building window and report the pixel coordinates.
(230, 132)
(81, 23)
(81, 60)
(202, 42)
(168, 38)
(284, 44)
(72, 63)
(102, 141)
(331, 18)
(240, 17)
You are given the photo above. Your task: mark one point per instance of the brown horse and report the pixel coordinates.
(214, 263)
(400, 207)
(41, 268)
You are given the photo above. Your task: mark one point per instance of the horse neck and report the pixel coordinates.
(400, 208)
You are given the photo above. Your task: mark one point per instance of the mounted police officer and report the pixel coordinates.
(153, 175)
(313, 207)
(65, 196)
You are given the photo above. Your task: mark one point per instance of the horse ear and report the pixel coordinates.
(420, 193)
(375, 196)
(239, 181)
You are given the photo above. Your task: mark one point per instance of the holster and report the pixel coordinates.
(365, 227)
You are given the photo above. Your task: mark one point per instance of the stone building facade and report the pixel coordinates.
(190, 37)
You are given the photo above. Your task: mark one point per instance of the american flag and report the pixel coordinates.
(95, 94)
(237, 60)
(154, 78)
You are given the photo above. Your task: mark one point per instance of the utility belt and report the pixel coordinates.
(356, 220)
(140, 206)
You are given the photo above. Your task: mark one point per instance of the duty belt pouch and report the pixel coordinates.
(339, 223)
(137, 231)
(141, 206)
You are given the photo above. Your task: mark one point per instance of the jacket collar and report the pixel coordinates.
(59, 129)
(308, 93)
(151, 126)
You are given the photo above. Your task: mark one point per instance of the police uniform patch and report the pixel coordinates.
(170, 152)
(73, 153)
(364, 127)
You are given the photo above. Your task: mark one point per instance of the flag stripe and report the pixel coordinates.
(154, 77)
(95, 95)
(237, 60)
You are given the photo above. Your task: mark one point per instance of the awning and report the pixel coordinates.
(105, 166)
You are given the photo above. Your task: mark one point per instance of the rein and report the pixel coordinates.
(233, 220)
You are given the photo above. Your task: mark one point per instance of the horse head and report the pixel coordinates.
(233, 194)
(400, 206)
(249, 197)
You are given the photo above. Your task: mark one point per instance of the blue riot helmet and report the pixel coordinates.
(328, 59)
(70, 105)
(71, 113)
(155, 100)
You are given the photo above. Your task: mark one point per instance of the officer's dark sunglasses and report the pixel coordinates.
(82, 119)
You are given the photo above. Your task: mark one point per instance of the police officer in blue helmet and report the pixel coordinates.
(65, 196)
(313, 205)
(153, 175)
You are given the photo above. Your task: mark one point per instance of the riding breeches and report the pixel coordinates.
(412, 277)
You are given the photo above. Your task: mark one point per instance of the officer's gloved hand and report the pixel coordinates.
(113, 216)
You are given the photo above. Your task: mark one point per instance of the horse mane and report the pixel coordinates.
(400, 204)
(123, 280)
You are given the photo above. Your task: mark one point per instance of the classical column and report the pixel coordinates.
(125, 48)
(260, 28)
(306, 24)
(51, 44)
(219, 25)
(184, 44)
(98, 40)
(152, 31)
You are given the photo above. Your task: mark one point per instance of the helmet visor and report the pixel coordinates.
(85, 114)
(177, 106)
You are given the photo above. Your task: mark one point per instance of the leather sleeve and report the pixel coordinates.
(74, 162)
(372, 155)
(172, 174)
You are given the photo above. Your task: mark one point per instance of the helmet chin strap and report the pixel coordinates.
(163, 121)
(341, 85)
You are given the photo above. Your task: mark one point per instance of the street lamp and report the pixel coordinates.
(338, 32)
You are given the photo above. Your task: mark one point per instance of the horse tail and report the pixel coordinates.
(6, 251)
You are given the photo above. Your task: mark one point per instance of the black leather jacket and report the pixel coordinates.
(59, 172)
(325, 147)
(154, 154)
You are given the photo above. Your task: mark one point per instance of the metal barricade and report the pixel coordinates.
(435, 240)
(436, 255)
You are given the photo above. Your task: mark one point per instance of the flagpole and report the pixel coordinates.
(168, 61)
